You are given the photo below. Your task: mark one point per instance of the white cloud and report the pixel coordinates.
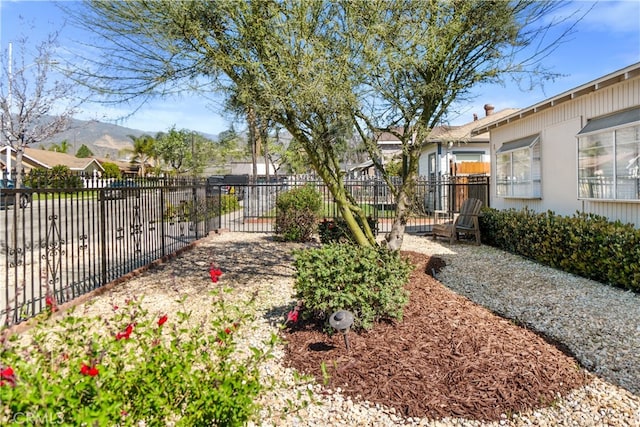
(614, 16)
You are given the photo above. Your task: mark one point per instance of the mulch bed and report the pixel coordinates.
(447, 358)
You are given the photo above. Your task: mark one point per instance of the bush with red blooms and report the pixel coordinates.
(133, 367)
(50, 303)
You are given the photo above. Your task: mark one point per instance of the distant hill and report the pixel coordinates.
(105, 140)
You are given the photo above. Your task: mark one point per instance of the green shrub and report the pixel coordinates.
(584, 244)
(336, 230)
(131, 369)
(297, 213)
(229, 203)
(368, 281)
(111, 170)
(59, 177)
(216, 205)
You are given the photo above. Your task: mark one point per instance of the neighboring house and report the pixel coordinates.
(127, 169)
(364, 170)
(576, 151)
(34, 159)
(390, 146)
(246, 168)
(454, 151)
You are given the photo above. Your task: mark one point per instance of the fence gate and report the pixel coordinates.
(433, 201)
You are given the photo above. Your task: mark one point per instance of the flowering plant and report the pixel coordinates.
(133, 367)
(50, 303)
(292, 316)
(214, 273)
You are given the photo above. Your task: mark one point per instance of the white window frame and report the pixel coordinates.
(517, 183)
(618, 177)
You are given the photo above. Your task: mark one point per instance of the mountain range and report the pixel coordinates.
(105, 140)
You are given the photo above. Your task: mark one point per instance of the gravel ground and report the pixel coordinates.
(598, 324)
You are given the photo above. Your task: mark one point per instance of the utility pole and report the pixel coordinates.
(10, 101)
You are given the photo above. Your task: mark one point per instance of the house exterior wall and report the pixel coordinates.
(558, 127)
(447, 154)
(93, 170)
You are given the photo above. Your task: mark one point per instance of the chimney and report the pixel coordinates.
(488, 109)
(475, 117)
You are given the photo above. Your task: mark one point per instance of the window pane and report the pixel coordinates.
(536, 171)
(596, 166)
(522, 173)
(503, 174)
(628, 163)
(468, 157)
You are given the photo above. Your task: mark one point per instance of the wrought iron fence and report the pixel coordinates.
(67, 241)
(432, 201)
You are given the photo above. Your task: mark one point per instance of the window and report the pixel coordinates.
(468, 156)
(518, 170)
(432, 166)
(609, 157)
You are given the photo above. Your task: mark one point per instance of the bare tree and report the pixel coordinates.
(34, 104)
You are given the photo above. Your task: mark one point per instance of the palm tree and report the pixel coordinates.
(63, 147)
(143, 151)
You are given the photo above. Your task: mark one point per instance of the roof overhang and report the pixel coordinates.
(619, 76)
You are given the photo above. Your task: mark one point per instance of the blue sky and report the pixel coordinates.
(606, 40)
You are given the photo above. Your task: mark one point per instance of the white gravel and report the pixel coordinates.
(599, 324)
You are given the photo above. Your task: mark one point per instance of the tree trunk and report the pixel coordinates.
(360, 235)
(253, 140)
(363, 235)
(18, 178)
(395, 237)
(264, 132)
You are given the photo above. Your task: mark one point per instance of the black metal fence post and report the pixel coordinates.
(163, 223)
(103, 238)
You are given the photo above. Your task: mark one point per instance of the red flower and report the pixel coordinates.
(50, 303)
(162, 320)
(227, 331)
(7, 377)
(126, 334)
(91, 371)
(214, 273)
(6, 373)
(292, 316)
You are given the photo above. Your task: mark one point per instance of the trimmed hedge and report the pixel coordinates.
(584, 244)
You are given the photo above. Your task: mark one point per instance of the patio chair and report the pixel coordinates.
(466, 222)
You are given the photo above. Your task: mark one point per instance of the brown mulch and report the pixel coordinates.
(447, 358)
